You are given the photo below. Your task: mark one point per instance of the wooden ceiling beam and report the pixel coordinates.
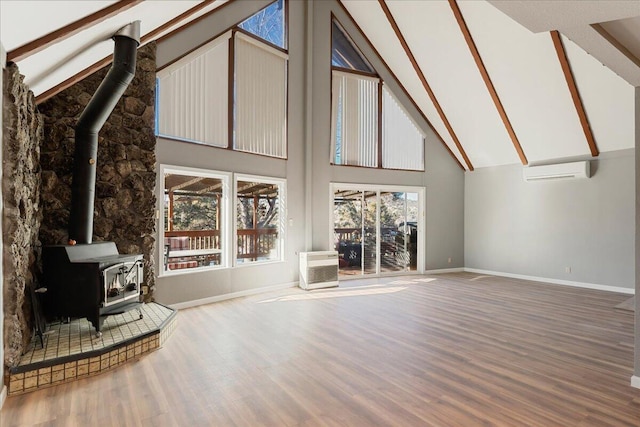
(487, 80)
(69, 30)
(575, 94)
(424, 81)
(406, 92)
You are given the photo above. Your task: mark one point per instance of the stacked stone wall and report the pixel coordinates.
(22, 134)
(125, 201)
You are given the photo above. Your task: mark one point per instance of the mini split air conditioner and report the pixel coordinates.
(559, 171)
(318, 269)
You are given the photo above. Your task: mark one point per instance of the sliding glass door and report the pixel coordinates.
(376, 229)
(399, 231)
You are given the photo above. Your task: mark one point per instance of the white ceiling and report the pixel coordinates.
(14, 14)
(512, 38)
(51, 66)
(574, 19)
(523, 67)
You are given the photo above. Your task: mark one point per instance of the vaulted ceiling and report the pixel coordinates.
(521, 110)
(52, 41)
(496, 82)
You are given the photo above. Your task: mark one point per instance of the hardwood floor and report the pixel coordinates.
(451, 350)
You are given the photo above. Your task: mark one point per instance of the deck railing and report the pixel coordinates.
(196, 239)
(252, 244)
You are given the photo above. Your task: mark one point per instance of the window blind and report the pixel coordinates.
(402, 141)
(354, 117)
(261, 98)
(193, 95)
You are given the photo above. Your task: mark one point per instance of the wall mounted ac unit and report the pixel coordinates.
(318, 269)
(559, 171)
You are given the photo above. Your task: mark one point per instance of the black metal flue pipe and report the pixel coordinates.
(91, 121)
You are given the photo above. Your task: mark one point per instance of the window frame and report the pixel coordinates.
(225, 210)
(282, 215)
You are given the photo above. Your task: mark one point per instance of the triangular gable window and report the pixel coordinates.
(268, 24)
(344, 54)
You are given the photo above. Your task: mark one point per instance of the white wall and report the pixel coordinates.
(540, 228)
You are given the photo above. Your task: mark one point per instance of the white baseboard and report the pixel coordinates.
(3, 395)
(635, 381)
(445, 270)
(248, 292)
(608, 288)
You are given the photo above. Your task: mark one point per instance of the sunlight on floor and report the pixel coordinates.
(337, 293)
(481, 277)
(425, 279)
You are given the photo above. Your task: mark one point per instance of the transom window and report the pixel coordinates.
(344, 54)
(269, 24)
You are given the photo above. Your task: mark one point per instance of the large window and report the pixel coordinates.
(194, 217)
(198, 221)
(369, 126)
(259, 219)
(231, 92)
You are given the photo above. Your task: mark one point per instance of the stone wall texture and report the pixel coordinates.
(125, 201)
(22, 134)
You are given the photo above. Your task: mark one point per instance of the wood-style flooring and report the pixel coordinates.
(450, 350)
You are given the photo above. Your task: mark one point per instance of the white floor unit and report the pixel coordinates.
(318, 269)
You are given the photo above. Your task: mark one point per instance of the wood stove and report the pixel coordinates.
(92, 281)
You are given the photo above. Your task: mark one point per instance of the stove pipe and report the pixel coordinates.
(91, 121)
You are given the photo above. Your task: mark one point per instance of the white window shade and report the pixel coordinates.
(402, 141)
(354, 119)
(193, 95)
(261, 98)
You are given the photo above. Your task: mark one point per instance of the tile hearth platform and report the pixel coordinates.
(71, 350)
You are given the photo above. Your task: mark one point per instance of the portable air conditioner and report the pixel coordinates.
(318, 269)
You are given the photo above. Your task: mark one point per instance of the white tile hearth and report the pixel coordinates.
(72, 351)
